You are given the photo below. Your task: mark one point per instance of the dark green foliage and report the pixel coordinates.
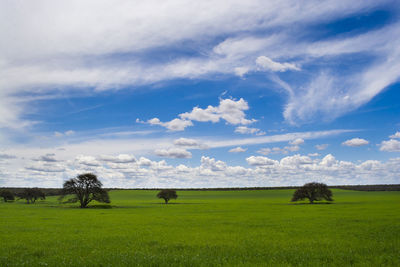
(85, 188)
(7, 195)
(31, 195)
(167, 194)
(313, 192)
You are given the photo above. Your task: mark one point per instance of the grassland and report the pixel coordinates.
(205, 228)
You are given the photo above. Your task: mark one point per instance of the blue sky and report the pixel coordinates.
(210, 94)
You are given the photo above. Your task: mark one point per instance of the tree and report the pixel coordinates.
(85, 188)
(313, 192)
(7, 195)
(167, 194)
(31, 195)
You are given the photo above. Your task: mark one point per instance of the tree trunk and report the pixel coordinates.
(166, 200)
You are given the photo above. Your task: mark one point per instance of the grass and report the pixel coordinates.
(205, 228)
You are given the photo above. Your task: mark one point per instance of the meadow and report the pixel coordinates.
(205, 228)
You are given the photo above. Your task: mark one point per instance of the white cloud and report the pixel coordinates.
(328, 161)
(355, 142)
(274, 138)
(50, 157)
(173, 125)
(186, 142)
(179, 153)
(212, 164)
(395, 136)
(238, 150)
(67, 54)
(322, 146)
(230, 110)
(45, 167)
(87, 160)
(268, 64)
(247, 130)
(263, 171)
(66, 133)
(6, 156)
(294, 161)
(241, 71)
(313, 154)
(121, 158)
(260, 161)
(391, 145)
(278, 150)
(296, 142)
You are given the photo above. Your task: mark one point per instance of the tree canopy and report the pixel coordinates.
(7, 195)
(84, 188)
(31, 195)
(313, 192)
(167, 194)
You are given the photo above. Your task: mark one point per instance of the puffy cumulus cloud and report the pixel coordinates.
(297, 142)
(230, 110)
(355, 142)
(391, 145)
(247, 130)
(178, 153)
(270, 65)
(322, 146)
(294, 161)
(211, 172)
(212, 164)
(328, 161)
(173, 125)
(144, 161)
(237, 150)
(395, 136)
(260, 161)
(87, 160)
(186, 142)
(121, 158)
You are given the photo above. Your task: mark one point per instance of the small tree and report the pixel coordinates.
(313, 192)
(167, 194)
(31, 195)
(85, 188)
(7, 195)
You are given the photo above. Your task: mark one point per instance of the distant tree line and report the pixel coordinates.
(29, 194)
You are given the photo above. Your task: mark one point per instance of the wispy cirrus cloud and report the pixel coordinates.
(69, 55)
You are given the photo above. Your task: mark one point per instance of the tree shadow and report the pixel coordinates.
(315, 203)
(173, 203)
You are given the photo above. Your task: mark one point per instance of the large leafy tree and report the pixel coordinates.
(167, 194)
(313, 192)
(84, 188)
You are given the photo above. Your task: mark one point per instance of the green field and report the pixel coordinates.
(205, 228)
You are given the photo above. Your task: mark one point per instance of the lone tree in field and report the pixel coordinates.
(31, 195)
(167, 194)
(7, 195)
(313, 192)
(84, 188)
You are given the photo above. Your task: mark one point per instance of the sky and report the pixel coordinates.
(188, 94)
